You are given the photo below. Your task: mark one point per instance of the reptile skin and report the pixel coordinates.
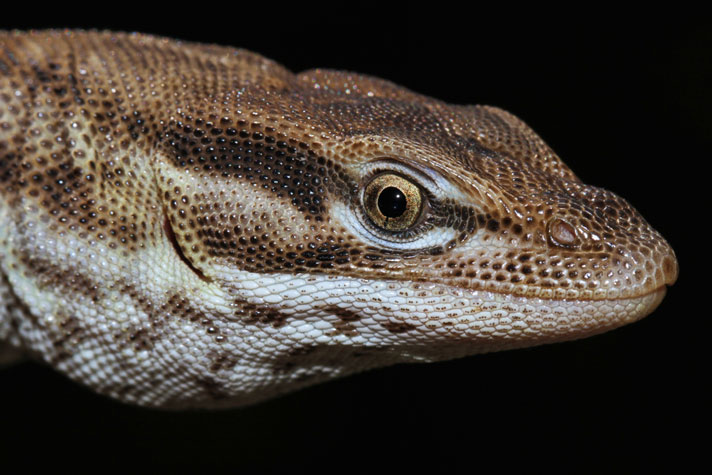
(192, 225)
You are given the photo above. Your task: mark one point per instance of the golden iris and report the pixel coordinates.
(393, 202)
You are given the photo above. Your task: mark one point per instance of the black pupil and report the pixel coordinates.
(392, 202)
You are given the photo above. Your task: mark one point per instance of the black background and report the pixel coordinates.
(625, 102)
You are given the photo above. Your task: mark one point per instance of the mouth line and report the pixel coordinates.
(662, 290)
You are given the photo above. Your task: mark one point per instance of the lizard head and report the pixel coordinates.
(345, 210)
(190, 224)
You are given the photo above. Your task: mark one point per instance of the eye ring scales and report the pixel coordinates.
(392, 202)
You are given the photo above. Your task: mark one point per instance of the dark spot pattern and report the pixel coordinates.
(140, 174)
(269, 154)
(398, 327)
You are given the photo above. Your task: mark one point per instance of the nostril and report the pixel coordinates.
(561, 233)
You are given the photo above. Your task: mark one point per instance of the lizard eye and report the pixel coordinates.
(392, 202)
(399, 206)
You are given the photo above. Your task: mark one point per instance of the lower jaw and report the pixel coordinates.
(613, 313)
(577, 319)
(394, 313)
(498, 321)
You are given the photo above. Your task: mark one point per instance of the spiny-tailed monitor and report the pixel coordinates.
(193, 225)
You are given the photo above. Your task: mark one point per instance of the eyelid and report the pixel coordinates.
(427, 180)
(435, 182)
(425, 234)
(353, 220)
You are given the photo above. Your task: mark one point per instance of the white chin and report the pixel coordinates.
(395, 313)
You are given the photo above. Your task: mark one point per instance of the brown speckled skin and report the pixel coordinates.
(139, 145)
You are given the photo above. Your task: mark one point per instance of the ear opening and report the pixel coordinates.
(168, 229)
